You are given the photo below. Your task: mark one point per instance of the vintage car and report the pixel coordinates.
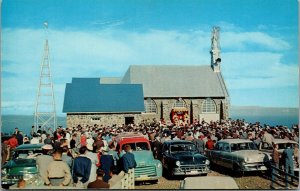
(22, 165)
(148, 168)
(239, 155)
(282, 144)
(181, 157)
(208, 182)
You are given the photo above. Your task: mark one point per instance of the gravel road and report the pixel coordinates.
(255, 180)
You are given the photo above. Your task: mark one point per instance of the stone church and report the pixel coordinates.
(179, 94)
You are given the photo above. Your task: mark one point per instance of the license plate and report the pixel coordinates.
(143, 176)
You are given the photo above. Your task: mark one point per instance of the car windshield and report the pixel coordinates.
(182, 147)
(138, 146)
(243, 146)
(26, 153)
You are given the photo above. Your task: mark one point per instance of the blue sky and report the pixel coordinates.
(94, 38)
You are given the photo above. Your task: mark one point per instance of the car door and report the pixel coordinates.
(165, 155)
(226, 156)
(266, 147)
(215, 154)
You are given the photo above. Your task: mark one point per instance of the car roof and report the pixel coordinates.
(278, 141)
(30, 146)
(235, 141)
(128, 135)
(177, 141)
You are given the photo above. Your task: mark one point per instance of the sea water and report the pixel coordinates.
(24, 123)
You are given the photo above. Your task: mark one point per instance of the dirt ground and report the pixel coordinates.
(253, 180)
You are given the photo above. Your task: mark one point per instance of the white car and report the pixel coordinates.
(282, 144)
(240, 155)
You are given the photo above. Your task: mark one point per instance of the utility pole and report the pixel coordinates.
(45, 112)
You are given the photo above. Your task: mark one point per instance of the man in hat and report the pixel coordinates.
(106, 164)
(94, 159)
(42, 161)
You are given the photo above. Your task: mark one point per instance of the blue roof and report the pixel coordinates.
(88, 95)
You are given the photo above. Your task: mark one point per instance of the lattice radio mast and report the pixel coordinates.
(45, 112)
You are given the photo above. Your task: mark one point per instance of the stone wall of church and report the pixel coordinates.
(84, 119)
(197, 107)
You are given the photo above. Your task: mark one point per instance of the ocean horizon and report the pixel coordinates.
(270, 116)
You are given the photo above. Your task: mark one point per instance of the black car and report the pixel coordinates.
(181, 157)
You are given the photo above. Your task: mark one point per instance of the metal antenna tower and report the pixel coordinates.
(45, 112)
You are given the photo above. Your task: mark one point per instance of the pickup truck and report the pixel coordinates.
(147, 169)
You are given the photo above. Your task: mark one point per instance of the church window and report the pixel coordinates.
(209, 106)
(150, 106)
(179, 103)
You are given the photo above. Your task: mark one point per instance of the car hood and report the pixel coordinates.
(143, 158)
(21, 166)
(20, 163)
(189, 158)
(251, 155)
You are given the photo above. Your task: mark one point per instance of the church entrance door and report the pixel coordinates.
(129, 120)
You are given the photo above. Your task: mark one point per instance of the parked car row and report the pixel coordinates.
(179, 157)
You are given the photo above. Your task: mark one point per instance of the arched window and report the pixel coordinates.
(150, 106)
(209, 106)
(179, 103)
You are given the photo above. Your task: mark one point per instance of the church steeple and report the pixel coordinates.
(215, 50)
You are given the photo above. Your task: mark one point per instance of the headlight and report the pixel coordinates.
(3, 172)
(28, 176)
(159, 165)
(177, 163)
(207, 162)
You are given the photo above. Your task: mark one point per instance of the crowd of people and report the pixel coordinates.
(86, 156)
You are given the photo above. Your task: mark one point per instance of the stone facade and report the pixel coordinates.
(109, 119)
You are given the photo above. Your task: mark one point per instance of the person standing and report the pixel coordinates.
(59, 173)
(12, 142)
(94, 159)
(42, 162)
(200, 144)
(112, 151)
(4, 152)
(287, 155)
(65, 157)
(209, 143)
(81, 168)
(98, 183)
(106, 164)
(276, 156)
(128, 159)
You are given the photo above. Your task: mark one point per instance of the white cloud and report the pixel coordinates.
(110, 52)
(244, 70)
(248, 40)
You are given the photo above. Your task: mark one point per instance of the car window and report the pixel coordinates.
(137, 146)
(266, 146)
(26, 153)
(243, 146)
(182, 147)
(219, 146)
(284, 145)
(226, 147)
